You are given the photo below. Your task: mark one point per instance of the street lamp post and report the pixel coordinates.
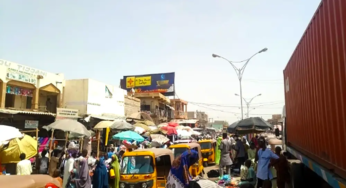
(240, 72)
(248, 103)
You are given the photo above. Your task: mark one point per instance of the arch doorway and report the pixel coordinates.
(49, 98)
(19, 95)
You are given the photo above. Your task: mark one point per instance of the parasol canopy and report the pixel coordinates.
(27, 145)
(128, 135)
(159, 138)
(69, 125)
(8, 133)
(250, 125)
(103, 124)
(121, 125)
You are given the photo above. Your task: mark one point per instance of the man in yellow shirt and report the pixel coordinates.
(24, 166)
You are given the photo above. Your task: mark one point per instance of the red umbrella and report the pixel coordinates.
(170, 130)
(172, 124)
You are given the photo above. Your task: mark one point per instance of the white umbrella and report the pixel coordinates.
(8, 133)
(70, 126)
(121, 125)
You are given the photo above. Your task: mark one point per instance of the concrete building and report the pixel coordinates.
(157, 106)
(132, 105)
(29, 89)
(180, 107)
(92, 97)
(202, 117)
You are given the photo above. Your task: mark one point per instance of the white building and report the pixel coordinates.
(92, 97)
(27, 88)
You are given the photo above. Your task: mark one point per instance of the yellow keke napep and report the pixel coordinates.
(146, 168)
(178, 149)
(208, 151)
(28, 181)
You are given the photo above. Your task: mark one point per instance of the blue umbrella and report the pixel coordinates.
(128, 135)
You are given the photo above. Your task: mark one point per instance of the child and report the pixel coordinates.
(250, 177)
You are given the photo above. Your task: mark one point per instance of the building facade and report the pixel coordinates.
(132, 105)
(92, 97)
(29, 89)
(202, 117)
(157, 106)
(180, 107)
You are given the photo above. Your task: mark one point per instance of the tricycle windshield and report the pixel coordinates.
(205, 145)
(140, 164)
(178, 151)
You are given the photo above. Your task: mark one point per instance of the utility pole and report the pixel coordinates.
(240, 72)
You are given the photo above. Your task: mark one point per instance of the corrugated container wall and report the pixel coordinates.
(315, 89)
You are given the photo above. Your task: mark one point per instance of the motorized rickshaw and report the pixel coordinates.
(178, 149)
(29, 181)
(147, 168)
(208, 149)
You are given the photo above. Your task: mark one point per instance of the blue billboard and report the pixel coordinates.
(151, 83)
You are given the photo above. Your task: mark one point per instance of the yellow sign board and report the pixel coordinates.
(132, 82)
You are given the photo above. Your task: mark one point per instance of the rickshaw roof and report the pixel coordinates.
(158, 152)
(190, 145)
(29, 181)
(207, 140)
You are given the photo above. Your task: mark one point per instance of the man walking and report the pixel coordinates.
(240, 153)
(225, 160)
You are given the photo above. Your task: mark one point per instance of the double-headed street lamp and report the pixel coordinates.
(248, 103)
(240, 72)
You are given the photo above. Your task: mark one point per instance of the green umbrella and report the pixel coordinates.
(128, 135)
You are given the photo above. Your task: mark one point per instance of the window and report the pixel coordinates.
(137, 165)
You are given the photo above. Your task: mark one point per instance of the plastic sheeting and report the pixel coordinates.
(26, 145)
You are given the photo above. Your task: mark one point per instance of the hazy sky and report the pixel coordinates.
(105, 40)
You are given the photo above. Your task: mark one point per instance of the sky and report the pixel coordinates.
(106, 40)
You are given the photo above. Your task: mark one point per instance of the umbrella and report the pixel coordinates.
(252, 124)
(8, 133)
(103, 124)
(26, 145)
(128, 135)
(76, 135)
(69, 125)
(159, 138)
(121, 125)
(140, 115)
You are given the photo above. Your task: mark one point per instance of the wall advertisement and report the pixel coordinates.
(22, 76)
(65, 113)
(31, 124)
(151, 83)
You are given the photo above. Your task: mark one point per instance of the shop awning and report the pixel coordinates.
(8, 111)
(170, 107)
(105, 116)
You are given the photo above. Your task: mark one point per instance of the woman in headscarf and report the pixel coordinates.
(68, 167)
(180, 177)
(100, 178)
(179, 174)
(83, 180)
(114, 181)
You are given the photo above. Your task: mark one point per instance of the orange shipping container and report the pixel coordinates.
(315, 89)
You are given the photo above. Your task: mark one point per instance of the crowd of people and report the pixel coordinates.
(253, 160)
(77, 170)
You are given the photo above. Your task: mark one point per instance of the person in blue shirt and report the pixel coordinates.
(264, 155)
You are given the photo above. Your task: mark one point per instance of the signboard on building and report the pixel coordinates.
(22, 76)
(65, 113)
(31, 124)
(151, 83)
